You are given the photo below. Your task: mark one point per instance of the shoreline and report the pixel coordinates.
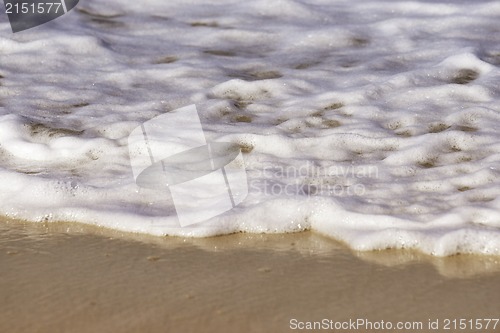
(60, 277)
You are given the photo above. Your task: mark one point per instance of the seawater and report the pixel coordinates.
(375, 123)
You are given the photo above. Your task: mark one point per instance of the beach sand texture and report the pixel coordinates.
(358, 126)
(67, 278)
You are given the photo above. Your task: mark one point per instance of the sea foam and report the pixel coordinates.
(375, 123)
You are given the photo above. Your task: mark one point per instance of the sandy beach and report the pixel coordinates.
(283, 146)
(61, 277)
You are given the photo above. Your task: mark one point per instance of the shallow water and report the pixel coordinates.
(375, 123)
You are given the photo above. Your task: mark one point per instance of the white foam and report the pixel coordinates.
(375, 123)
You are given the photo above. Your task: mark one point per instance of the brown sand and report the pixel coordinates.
(70, 278)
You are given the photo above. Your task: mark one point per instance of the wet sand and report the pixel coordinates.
(61, 277)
